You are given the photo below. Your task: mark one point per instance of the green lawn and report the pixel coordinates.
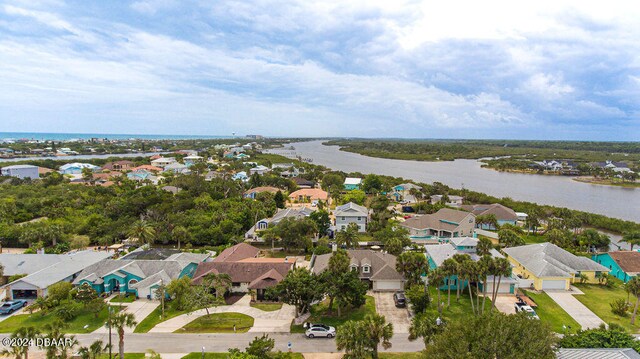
(267, 307)
(219, 323)
(458, 310)
(226, 355)
(155, 317)
(122, 299)
(73, 326)
(533, 238)
(319, 314)
(126, 355)
(597, 298)
(415, 355)
(549, 311)
(362, 237)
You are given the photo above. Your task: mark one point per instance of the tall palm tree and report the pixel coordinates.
(143, 231)
(468, 271)
(378, 332)
(120, 321)
(449, 269)
(459, 259)
(180, 234)
(21, 352)
(485, 267)
(220, 282)
(348, 236)
(502, 268)
(633, 238)
(484, 246)
(634, 288)
(436, 278)
(94, 351)
(55, 332)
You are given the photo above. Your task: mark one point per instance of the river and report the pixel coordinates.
(71, 158)
(559, 191)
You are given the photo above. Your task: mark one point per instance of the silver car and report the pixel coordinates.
(318, 331)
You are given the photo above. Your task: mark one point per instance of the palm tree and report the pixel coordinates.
(142, 231)
(180, 234)
(94, 351)
(484, 246)
(220, 282)
(633, 286)
(468, 271)
(423, 326)
(55, 332)
(18, 351)
(436, 277)
(348, 236)
(459, 259)
(120, 321)
(633, 238)
(449, 269)
(378, 332)
(485, 265)
(502, 268)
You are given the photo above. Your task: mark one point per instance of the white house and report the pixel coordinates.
(163, 161)
(351, 213)
(260, 169)
(76, 168)
(21, 171)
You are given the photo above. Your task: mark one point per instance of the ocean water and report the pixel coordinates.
(42, 136)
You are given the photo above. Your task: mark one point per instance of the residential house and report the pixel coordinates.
(260, 169)
(242, 156)
(213, 174)
(451, 201)
(43, 270)
(247, 271)
(623, 265)
(240, 176)
(440, 226)
(76, 168)
(192, 160)
(376, 268)
(252, 193)
(618, 167)
(177, 168)
(163, 161)
(352, 183)
(303, 182)
(403, 192)
(149, 168)
(504, 215)
(21, 171)
(253, 232)
(172, 189)
(288, 170)
(119, 165)
(143, 175)
(550, 267)
(140, 277)
(351, 213)
(438, 253)
(308, 195)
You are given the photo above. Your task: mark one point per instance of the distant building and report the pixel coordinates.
(119, 165)
(252, 193)
(440, 226)
(402, 192)
(453, 201)
(163, 161)
(351, 213)
(308, 195)
(260, 169)
(253, 232)
(504, 215)
(21, 171)
(352, 183)
(76, 168)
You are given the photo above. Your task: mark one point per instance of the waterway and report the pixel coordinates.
(562, 191)
(73, 158)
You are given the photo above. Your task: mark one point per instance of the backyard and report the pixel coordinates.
(76, 325)
(550, 312)
(458, 310)
(597, 298)
(219, 323)
(319, 314)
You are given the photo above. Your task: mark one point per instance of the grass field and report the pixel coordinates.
(37, 320)
(219, 323)
(155, 317)
(458, 310)
(267, 307)
(549, 311)
(319, 314)
(122, 299)
(533, 238)
(597, 298)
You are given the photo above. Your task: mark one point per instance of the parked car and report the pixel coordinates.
(399, 299)
(521, 306)
(320, 330)
(12, 306)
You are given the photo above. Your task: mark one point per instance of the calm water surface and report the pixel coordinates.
(553, 190)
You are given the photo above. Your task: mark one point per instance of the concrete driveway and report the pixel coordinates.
(585, 317)
(399, 317)
(140, 308)
(506, 303)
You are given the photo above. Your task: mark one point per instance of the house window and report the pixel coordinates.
(133, 281)
(342, 218)
(354, 268)
(366, 269)
(359, 218)
(235, 284)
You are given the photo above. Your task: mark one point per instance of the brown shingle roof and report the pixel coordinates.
(629, 261)
(383, 265)
(267, 280)
(238, 252)
(443, 219)
(501, 212)
(241, 272)
(262, 189)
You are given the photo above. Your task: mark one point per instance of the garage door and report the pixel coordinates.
(554, 284)
(387, 285)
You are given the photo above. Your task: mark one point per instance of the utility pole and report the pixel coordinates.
(109, 323)
(162, 296)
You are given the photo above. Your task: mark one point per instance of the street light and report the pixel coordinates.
(202, 352)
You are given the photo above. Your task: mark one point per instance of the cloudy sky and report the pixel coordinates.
(372, 68)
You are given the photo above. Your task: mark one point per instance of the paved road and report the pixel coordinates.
(585, 317)
(186, 343)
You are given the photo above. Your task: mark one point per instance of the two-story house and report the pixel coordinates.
(254, 232)
(404, 192)
(351, 213)
(503, 214)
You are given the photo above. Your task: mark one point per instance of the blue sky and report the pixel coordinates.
(490, 69)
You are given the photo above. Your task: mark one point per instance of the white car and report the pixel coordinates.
(318, 331)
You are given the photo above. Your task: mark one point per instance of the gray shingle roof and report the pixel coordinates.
(445, 219)
(140, 268)
(28, 263)
(549, 260)
(597, 353)
(383, 265)
(351, 209)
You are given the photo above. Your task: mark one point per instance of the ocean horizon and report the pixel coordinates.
(52, 136)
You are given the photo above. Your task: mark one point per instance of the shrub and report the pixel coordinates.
(619, 307)
(68, 311)
(59, 291)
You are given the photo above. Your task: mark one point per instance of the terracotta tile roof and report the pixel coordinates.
(236, 253)
(629, 261)
(312, 193)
